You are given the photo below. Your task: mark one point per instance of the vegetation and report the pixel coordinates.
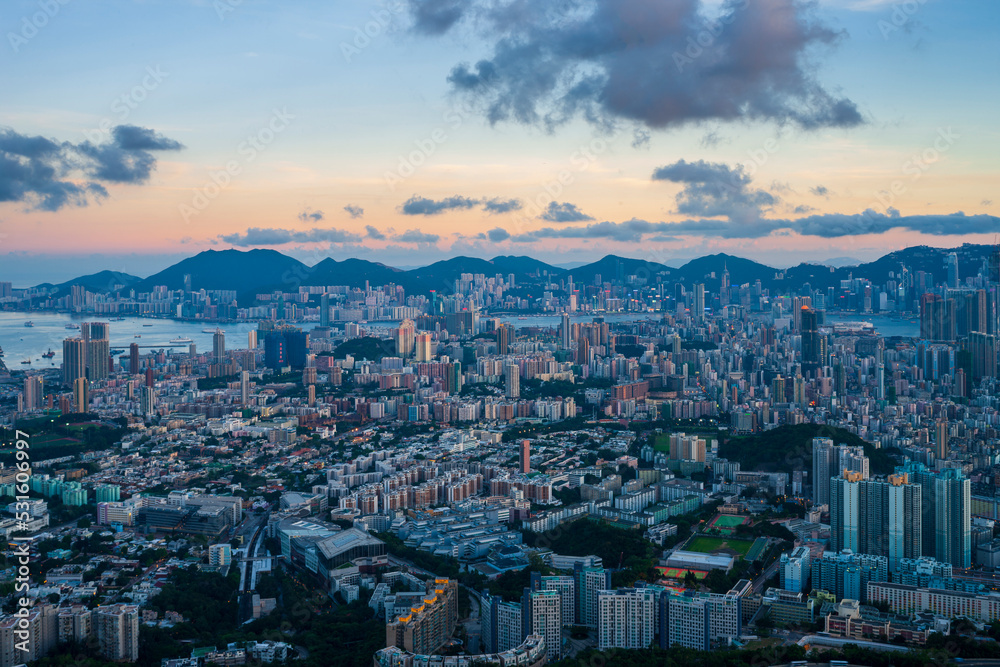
(789, 448)
(613, 545)
(368, 347)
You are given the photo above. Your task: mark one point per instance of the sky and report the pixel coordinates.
(134, 133)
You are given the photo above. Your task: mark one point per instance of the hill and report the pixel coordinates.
(102, 281)
(613, 267)
(788, 448)
(740, 270)
(250, 271)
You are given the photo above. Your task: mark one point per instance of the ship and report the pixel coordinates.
(26, 361)
(181, 339)
(29, 323)
(49, 354)
(72, 325)
(137, 336)
(147, 325)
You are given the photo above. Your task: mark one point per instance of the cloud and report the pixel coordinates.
(49, 175)
(820, 191)
(498, 234)
(354, 211)
(268, 236)
(630, 231)
(655, 64)
(436, 17)
(373, 233)
(416, 236)
(986, 202)
(830, 225)
(310, 216)
(564, 212)
(712, 189)
(497, 205)
(422, 206)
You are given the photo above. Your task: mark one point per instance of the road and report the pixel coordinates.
(765, 576)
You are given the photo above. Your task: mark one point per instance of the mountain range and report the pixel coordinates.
(253, 272)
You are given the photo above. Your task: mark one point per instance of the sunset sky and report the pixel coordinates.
(407, 131)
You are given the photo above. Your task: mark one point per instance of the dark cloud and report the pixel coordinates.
(630, 231)
(416, 236)
(311, 216)
(986, 202)
(354, 211)
(498, 234)
(658, 64)
(50, 175)
(436, 17)
(564, 212)
(373, 233)
(640, 138)
(831, 225)
(820, 191)
(713, 189)
(497, 205)
(422, 206)
(266, 236)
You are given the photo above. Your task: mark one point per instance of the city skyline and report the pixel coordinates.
(422, 139)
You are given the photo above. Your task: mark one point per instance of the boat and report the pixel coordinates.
(137, 336)
(181, 339)
(147, 325)
(29, 323)
(26, 361)
(49, 354)
(72, 325)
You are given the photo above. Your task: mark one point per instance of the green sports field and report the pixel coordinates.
(706, 545)
(728, 521)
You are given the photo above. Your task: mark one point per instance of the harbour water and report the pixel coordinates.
(49, 330)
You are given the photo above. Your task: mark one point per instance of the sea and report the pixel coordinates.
(20, 343)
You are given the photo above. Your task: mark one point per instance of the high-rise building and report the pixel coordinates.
(404, 338)
(945, 513)
(324, 310)
(74, 360)
(795, 570)
(97, 338)
(589, 581)
(219, 346)
(951, 263)
(938, 318)
(566, 332)
(81, 395)
(501, 624)
(941, 439)
(565, 585)
(34, 392)
(275, 350)
(244, 387)
(627, 618)
(846, 574)
(424, 344)
(541, 614)
(504, 337)
(698, 307)
(525, 456)
(252, 339)
(133, 358)
(824, 468)
(876, 517)
(118, 632)
(512, 380)
(813, 344)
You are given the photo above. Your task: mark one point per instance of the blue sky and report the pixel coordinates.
(353, 113)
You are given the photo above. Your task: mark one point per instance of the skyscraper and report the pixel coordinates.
(504, 336)
(404, 338)
(945, 513)
(97, 338)
(324, 310)
(542, 615)
(525, 456)
(74, 360)
(118, 632)
(566, 332)
(823, 469)
(424, 344)
(951, 263)
(813, 344)
(512, 380)
(219, 346)
(244, 387)
(133, 358)
(698, 308)
(34, 391)
(941, 439)
(81, 395)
